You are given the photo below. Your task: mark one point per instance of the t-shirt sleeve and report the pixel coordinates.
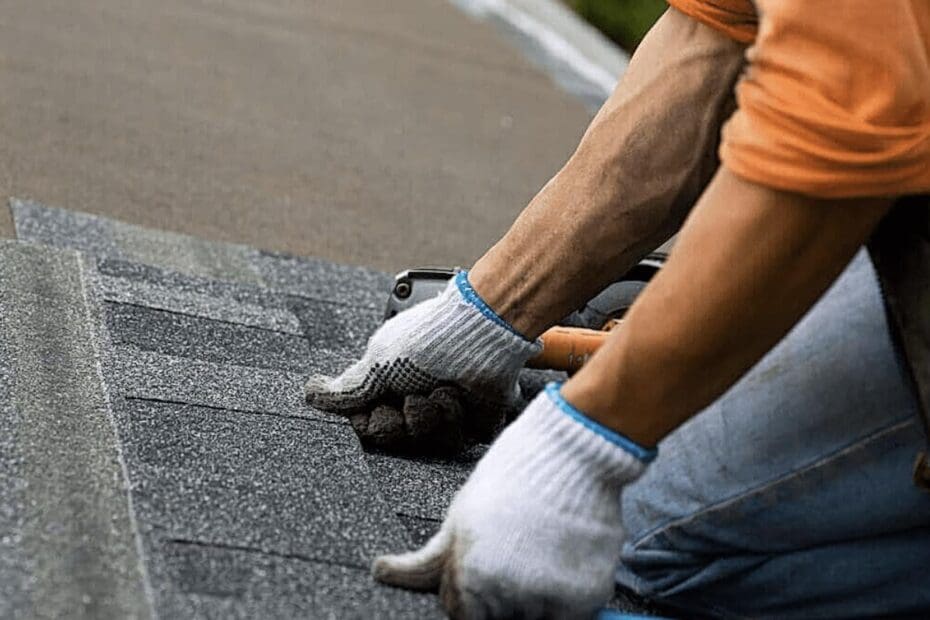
(734, 18)
(835, 100)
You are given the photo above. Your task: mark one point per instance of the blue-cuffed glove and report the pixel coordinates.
(453, 342)
(452, 339)
(535, 532)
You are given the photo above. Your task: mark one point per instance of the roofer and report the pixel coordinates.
(791, 493)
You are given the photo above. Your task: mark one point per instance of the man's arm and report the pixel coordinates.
(638, 170)
(536, 528)
(749, 262)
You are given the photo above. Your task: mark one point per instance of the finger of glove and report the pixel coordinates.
(421, 428)
(417, 570)
(353, 390)
(450, 415)
(381, 429)
(434, 424)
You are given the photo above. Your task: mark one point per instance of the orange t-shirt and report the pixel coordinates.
(835, 100)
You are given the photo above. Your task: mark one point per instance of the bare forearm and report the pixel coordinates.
(637, 171)
(749, 262)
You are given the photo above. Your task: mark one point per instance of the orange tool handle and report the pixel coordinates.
(567, 348)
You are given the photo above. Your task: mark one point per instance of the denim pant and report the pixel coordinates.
(791, 496)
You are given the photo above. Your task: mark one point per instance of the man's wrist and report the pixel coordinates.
(505, 298)
(643, 453)
(469, 294)
(594, 391)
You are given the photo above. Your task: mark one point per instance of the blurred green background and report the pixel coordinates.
(623, 21)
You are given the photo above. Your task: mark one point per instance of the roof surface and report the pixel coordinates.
(172, 367)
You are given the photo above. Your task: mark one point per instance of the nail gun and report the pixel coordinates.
(568, 345)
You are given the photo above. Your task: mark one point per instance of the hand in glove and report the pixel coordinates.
(454, 339)
(535, 532)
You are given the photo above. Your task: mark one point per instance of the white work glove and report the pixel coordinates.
(453, 339)
(535, 532)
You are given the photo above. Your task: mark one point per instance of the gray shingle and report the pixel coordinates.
(218, 582)
(155, 376)
(321, 279)
(205, 339)
(186, 283)
(65, 510)
(419, 528)
(283, 485)
(160, 297)
(421, 487)
(336, 329)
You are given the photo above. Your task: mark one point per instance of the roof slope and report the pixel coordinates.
(246, 502)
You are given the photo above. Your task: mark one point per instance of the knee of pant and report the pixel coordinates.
(883, 575)
(680, 570)
(671, 566)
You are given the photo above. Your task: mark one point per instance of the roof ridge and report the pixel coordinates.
(69, 504)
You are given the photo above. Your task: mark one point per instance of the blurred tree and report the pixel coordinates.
(623, 21)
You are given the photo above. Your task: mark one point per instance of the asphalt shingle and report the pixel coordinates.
(338, 330)
(286, 486)
(219, 582)
(321, 279)
(183, 335)
(419, 529)
(155, 376)
(421, 487)
(64, 498)
(159, 297)
(182, 283)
